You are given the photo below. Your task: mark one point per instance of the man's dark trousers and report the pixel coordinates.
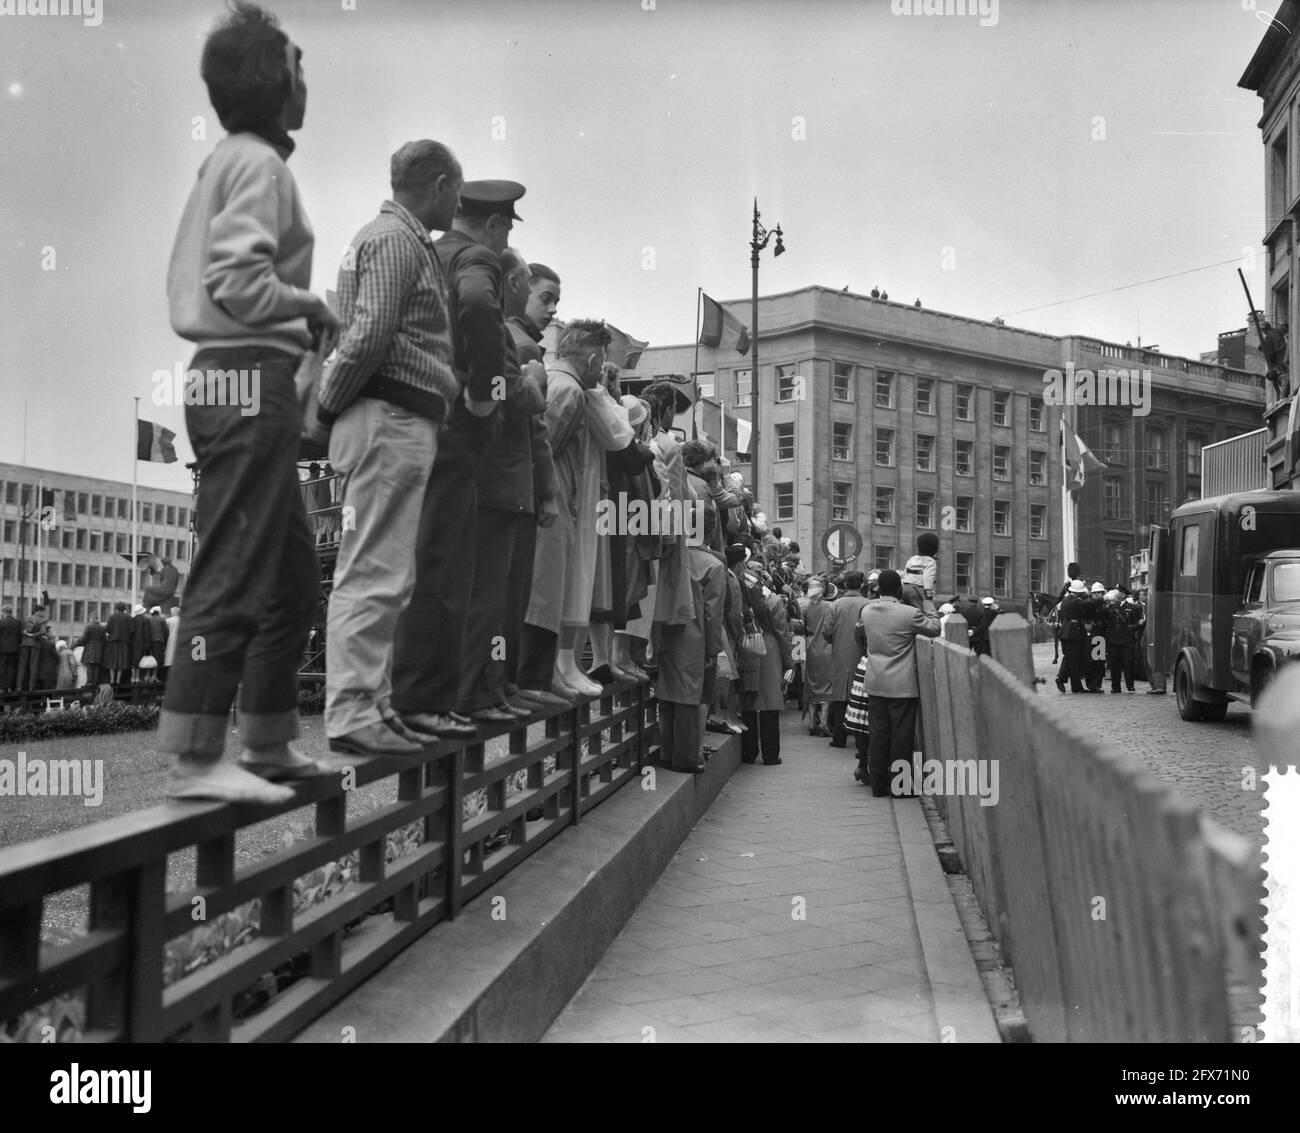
(1121, 662)
(835, 723)
(488, 630)
(8, 671)
(429, 648)
(892, 721)
(1076, 661)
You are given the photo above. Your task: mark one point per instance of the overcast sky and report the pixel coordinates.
(1065, 149)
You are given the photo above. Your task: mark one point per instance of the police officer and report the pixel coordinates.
(1075, 608)
(1096, 626)
(428, 657)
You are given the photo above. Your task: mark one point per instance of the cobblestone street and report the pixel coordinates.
(1205, 762)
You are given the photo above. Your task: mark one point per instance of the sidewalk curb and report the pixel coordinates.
(961, 1007)
(507, 977)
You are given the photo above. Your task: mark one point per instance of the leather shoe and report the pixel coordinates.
(493, 715)
(545, 698)
(375, 739)
(437, 725)
(521, 705)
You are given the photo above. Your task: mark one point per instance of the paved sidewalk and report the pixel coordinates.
(800, 909)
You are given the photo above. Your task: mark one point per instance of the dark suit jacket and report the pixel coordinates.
(505, 478)
(11, 635)
(119, 626)
(475, 294)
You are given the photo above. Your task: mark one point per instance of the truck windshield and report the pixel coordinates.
(1286, 582)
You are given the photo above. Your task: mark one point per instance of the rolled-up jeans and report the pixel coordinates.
(383, 455)
(254, 582)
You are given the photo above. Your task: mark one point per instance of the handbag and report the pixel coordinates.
(753, 645)
(726, 667)
(148, 661)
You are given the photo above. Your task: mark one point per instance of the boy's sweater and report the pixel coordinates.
(242, 258)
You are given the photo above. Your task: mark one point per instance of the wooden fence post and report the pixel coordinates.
(1011, 644)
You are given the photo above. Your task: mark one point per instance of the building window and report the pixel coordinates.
(1001, 407)
(123, 508)
(1037, 575)
(924, 452)
(841, 441)
(965, 403)
(963, 453)
(842, 382)
(1111, 488)
(11, 492)
(1001, 462)
(788, 384)
(1037, 467)
(1155, 502)
(78, 611)
(1194, 446)
(884, 389)
(925, 395)
(785, 441)
(104, 611)
(169, 549)
(171, 508)
(841, 501)
(784, 501)
(885, 447)
(81, 538)
(65, 611)
(1155, 448)
(180, 552)
(119, 578)
(1001, 517)
(884, 556)
(96, 541)
(1037, 523)
(1112, 444)
(183, 517)
(65, 538)
(93, 581)
(10, 530)
(65, 574)
(965, 508)
(79, 575)
(83, 503)
(744, 387)
(924, 509)
(1037, 423)
(1002, 575)
(110, 506)
(96, 504)
(884, 504)
(965, 570)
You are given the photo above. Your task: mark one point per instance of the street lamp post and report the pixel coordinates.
(756, 245)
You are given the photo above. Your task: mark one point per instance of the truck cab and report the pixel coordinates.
(1225, 599)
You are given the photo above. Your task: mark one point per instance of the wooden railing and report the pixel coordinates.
(583, 756)
(1125, 914)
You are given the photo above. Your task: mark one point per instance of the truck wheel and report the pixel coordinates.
(1189, 709)
(1214, 713)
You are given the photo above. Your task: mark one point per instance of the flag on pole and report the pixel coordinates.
(1077, 458)
(154, 443)
(722, 328)
(624, 350)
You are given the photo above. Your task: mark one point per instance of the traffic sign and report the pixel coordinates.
(842, 541)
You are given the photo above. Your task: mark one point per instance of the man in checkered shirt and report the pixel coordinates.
(390, 387)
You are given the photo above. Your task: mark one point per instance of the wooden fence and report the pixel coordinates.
(596, 747)
(1121, 909)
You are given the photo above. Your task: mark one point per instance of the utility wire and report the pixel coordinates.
(1122, 287)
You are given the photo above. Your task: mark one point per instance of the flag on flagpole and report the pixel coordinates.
(1078, 459)
(624, 350)
(154, 443)
(722, 328)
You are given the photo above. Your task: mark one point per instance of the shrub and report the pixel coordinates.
(98, 720)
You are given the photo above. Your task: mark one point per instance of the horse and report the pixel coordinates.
(1046, 609)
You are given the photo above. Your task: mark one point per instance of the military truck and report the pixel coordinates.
(1224, 609)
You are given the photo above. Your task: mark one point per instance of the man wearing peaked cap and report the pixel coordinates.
(427, 657)
(491, 198)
